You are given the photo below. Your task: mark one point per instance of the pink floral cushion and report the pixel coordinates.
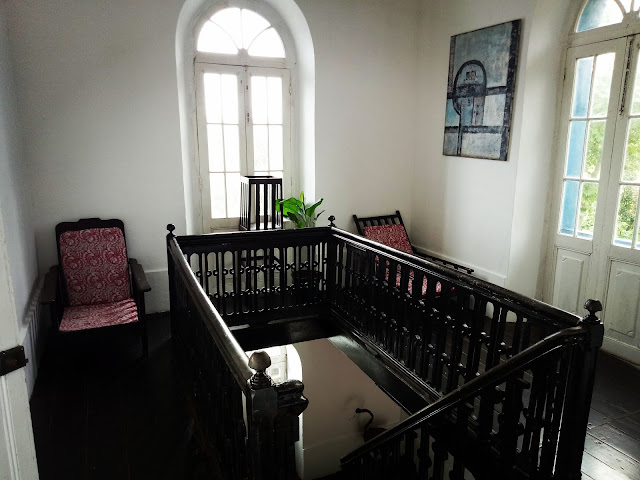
(94, 264)
(84, 317)
(411, 281)
(394, 236)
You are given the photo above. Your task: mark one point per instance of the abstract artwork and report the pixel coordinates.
(482, 78)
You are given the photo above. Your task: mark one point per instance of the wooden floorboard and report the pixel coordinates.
(612, 446)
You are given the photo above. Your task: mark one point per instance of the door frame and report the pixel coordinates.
(17, 447)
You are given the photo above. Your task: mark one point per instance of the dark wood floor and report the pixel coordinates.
(100, 412)
(612, 448)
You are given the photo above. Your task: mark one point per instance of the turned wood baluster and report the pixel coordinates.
(440, 456)
(461, 445)
(424, 459)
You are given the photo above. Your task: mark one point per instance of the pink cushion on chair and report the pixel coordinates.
(84, 317)
(394, 236)
(94, 264)
(411, 281)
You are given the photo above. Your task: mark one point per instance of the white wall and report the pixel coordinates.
(98, 96)
(14, 193)
(335, 387)
(366, 80)
(99, 102)
(486, 213)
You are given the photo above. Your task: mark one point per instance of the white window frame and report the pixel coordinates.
(220, 63)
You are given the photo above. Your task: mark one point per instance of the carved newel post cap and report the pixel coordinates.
(171, 227)
(332, 219)
(593, 307)
(260, 361)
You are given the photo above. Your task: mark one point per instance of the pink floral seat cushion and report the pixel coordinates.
(394, 236)
(94, 265)
(84, 317)
(411, 281)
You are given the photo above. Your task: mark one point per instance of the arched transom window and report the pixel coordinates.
(243, 109)
(233, 29)
(602, 13)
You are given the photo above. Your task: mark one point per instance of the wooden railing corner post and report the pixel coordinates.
(579, 393)
(273, 425)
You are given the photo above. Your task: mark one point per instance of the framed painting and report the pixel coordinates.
(482, 78)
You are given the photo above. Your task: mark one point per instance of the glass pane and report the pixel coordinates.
(212, 97)
(267, 44)
(569, 207)
(252, 25)
(233, 194)
(275, 147)
(626, 4)
(260, 147)
(582, 86)
(230, 98)
(627, 206)
(631, 172)
(276, 173)
(216, 148)
(588, 203)
(599, 13)
(259, 99)
(217, 195)
(231, 148)
(229, 20)
(274, 85)
(593, 158)
(602, 84)
(635, 102)
(213, 39)
(577, 134)
(261, 174)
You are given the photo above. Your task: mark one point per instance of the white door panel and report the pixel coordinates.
(622, 302)
(571, 274)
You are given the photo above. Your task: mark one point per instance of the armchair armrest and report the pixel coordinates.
(140, 282)
(49, 292)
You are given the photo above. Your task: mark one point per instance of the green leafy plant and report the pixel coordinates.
(299, 212)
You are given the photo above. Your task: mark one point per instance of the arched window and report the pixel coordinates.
(243, 109)
(596, 243)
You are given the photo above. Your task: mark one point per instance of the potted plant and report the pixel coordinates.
(301, 214)
(306, 282)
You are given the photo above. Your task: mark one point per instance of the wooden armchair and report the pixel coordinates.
(390, 231)
(95, 284)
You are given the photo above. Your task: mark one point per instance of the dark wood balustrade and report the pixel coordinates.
(506, 380)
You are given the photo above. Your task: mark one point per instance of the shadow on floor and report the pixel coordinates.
(99, 411)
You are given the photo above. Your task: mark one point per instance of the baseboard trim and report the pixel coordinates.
(479, 272)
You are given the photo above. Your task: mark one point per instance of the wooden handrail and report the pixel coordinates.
(491, 378)
(491, 291)
(230, 349)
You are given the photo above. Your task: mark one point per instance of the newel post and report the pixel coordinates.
(579, 393)
(331, 264)
(171, 272)
(273, 426)
(262, 408)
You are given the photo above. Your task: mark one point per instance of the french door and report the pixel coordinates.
(243, 116)
(596, 245)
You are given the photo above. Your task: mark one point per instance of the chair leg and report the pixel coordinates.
(144, 339)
